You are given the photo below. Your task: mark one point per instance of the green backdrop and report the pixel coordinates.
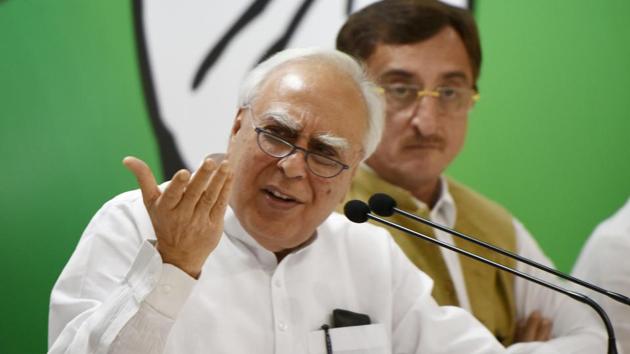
(549, 138)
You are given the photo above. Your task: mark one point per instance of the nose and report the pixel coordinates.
(426, 115)
(294, 165)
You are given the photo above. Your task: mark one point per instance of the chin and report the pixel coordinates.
(423, 162)
(272, 224)
(276, 239)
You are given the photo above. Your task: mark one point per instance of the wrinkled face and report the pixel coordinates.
(314, 106)
(421, 140)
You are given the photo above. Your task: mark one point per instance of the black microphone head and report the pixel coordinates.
(356, 211)
(382, 204)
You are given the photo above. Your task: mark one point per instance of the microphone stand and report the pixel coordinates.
(613, 295)
(612, 347)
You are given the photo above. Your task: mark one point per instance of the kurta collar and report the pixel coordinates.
(233, 229)
(444, 210)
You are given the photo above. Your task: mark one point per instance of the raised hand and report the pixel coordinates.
(188, 216)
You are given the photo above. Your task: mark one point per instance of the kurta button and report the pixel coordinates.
(277, 283)
(282, 326)
(166, 288)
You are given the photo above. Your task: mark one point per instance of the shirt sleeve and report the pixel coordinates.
(115, 294)
(148, 329)
(576, 327)
(420, 325)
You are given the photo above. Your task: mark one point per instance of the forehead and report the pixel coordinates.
(441, 57)
(319, 97)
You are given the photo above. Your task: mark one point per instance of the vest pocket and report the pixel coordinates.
(368, 339)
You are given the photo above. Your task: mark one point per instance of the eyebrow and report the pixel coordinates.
(394, 73)
(283, 119)
(333, 141)
(455, 75)
(328, 139)
(399, 73)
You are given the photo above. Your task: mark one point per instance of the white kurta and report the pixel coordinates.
(604, 262)
(115, 295)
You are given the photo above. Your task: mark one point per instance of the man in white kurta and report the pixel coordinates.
(604, 262)
(245, 301)
(173, 269)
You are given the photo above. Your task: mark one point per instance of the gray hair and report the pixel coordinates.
(345, 63)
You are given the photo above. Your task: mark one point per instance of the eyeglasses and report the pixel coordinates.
(319, 164)
(450, 99)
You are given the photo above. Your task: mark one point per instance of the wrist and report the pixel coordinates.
(185, 262)
(194, 272)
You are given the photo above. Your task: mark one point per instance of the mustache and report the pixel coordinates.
(425, 141)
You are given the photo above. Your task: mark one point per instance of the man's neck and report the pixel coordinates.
(283, 253)
(427, 192)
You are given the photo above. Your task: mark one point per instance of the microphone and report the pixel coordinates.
(359, 212)
(384, 205)
(356, 211)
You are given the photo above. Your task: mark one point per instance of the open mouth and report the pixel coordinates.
(279, 197)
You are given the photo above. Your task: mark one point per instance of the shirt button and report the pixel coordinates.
(277, 283)
(282, 326)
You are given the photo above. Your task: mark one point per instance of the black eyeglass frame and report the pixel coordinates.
(294, 148)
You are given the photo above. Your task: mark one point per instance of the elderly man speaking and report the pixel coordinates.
(174, 269)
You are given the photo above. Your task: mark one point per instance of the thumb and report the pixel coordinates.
(145, 178)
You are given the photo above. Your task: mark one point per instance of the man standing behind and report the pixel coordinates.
(426, 57)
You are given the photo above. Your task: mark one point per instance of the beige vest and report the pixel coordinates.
(491, 291)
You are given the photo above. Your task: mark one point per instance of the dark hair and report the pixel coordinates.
(405, 22)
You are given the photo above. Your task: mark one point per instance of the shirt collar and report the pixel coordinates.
(233, 229)
(444, 211)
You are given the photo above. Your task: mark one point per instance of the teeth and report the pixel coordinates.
(281, 196)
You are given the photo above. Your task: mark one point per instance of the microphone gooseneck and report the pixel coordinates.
(359, 212)
(384, 205)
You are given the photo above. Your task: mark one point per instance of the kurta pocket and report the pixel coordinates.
(368, 339)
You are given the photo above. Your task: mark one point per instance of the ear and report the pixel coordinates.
(353, 169)
(238, 123)
(236, 128)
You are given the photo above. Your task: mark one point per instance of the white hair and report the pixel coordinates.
(345, 63)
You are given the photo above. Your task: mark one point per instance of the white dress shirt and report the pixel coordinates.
(115, 295)
(576, 328)
(604, 262)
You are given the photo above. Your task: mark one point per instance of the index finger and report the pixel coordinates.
(174, 191)
(197, 185)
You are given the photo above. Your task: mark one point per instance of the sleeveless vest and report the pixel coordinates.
(490, 291)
